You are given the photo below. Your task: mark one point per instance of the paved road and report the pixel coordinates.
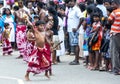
(12, 71)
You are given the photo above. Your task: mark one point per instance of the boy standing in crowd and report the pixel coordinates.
(114, 19)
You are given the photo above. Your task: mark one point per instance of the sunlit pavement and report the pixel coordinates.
(12, 71)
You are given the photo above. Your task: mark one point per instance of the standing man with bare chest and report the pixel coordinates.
(20, 17)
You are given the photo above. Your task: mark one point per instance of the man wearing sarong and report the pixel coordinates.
(20, 16)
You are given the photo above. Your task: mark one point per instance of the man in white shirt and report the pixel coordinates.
(73, 22)
(102, 7)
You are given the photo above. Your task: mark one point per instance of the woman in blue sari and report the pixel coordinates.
(7, 17)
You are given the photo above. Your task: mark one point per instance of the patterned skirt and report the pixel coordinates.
(28, 50)
(97, 45)
(40, 60)
(7, 48)
(21, 38)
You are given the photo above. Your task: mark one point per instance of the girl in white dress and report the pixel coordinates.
(60, 52)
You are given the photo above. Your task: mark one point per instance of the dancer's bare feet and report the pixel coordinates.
(10, 54)
(47, 76)
(19, 57)
(27, 78)
(50, 73)
(3, 54)
(34, 74)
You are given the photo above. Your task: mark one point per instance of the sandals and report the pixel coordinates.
(117, 73)
(90, 67)
(74, 63)
(102, 69)
(95, 68)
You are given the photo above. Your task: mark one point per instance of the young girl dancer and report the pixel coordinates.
(7, 48)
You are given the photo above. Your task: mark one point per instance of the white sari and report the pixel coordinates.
(61, 52)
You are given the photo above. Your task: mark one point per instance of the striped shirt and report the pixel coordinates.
(115, 17)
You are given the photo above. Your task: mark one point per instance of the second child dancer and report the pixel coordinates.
(30, 41)
(49, 38)
(7, 48)
(40, 56)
